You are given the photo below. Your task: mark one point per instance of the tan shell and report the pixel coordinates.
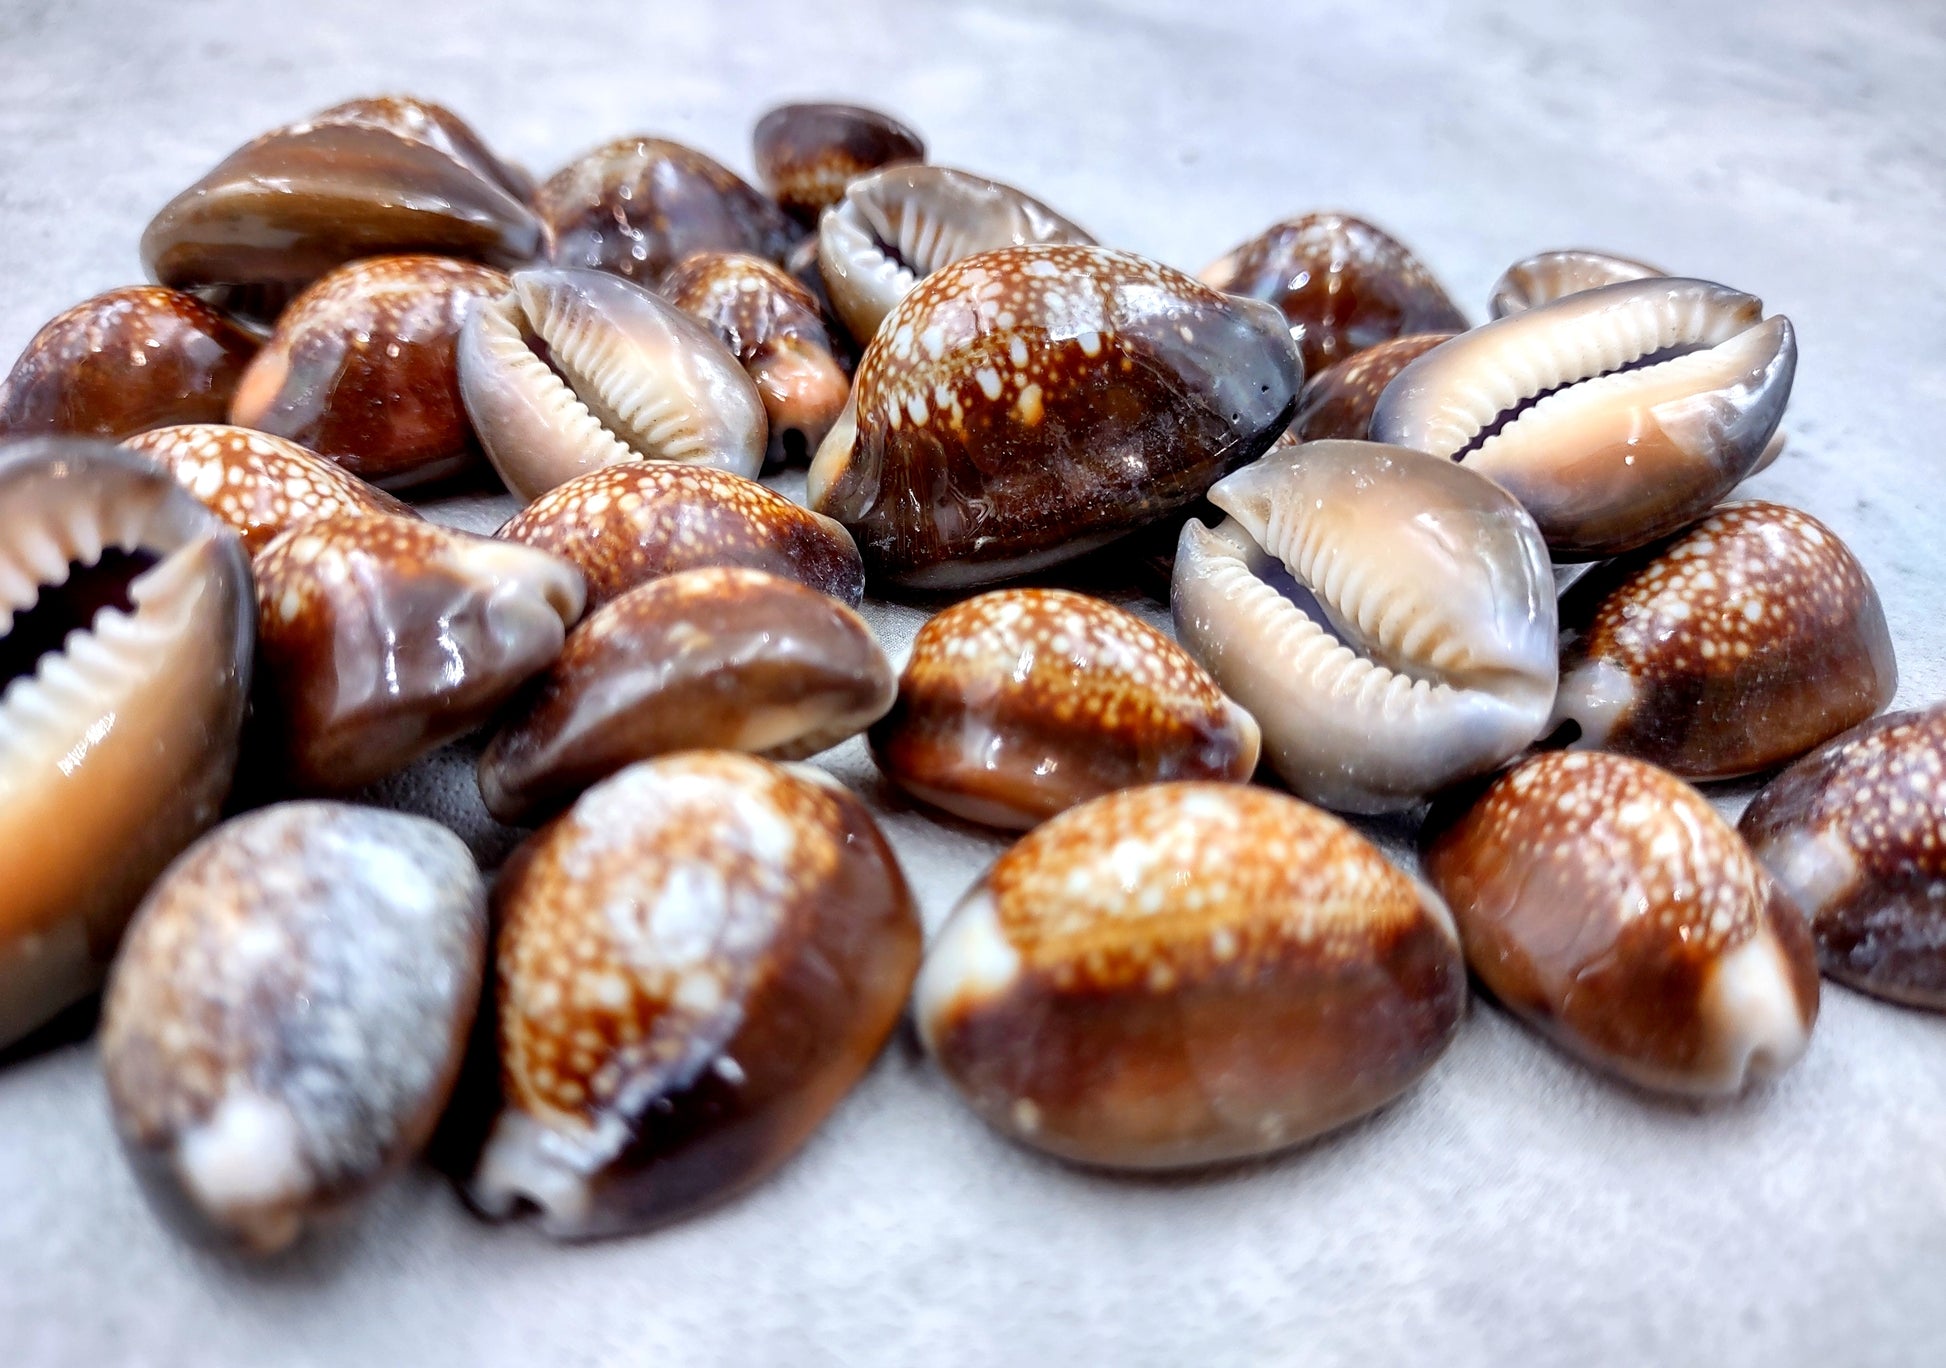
(1186, 973)
(721, 658)
(258, 484)
(628, 524)
(696, 962)
(1746, 641)
(1021, 703)
(1605, 902)
(288, 1017)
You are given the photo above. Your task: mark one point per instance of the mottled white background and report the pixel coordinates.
(1514, 1208)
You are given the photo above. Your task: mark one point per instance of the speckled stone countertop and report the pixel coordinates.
(1514, 1208)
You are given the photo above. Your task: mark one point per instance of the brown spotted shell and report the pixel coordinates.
(808, 153)
(772, 325)
(628, 524)
(381, 638)
(1185, 973)
(1344, 285)
(1856, 834)
(696, 962)
(1021, 703)
(259, 484)
(638, 205)
(288, 1016)
(1337, 402)
(1604, 901)
(1746, 641)
(1026, 405)
(123, 362)
(719, 658)
(363, 368)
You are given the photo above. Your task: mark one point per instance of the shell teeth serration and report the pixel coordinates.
(568, 414)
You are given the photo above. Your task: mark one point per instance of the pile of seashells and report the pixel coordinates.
(217, 629)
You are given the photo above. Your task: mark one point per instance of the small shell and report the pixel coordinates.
(1023, 406)
(364, 368)
(125, 663)
(1856, 834)
(123, 362)
(381, 638)
(696, 962)
(571, 371)
(1605, 901)
(1187, 973)
(771, 324)
(720, 658)
(628, 524)
(1021, 703)
(1337, 403)
(258, 484)
(1616, 416)
(287, 1019)
(1417, 645)
(897, 225)
(1343, 284)
(351, 182)
(637, 206)
(1548, 276)
(1751, 638)
(808, 153)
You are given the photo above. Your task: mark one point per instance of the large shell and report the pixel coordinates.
(1604, 901)
(435, 125)
(808, 153)
(1022, 703)
(125, 644)
(1856, 834)
(289, 1014)
(1343, 284)
(574, 370)
(124, 362)
(1548, 276)
(637, 206)
(363, 368)
(1749, 639)
(628, 524)
(1023, 406)
(772, 325)
(696, 962)
(1187, 973)
(721, 658)
(258, 484)
(1337, 402)
(381, 638)
(1616, 415)
(1387, 617)
(905, 222)
(281, 211)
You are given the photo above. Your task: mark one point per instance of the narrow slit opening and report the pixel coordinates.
(40, 630)
(1508, 416)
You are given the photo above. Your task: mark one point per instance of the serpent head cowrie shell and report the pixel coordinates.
(808, 153)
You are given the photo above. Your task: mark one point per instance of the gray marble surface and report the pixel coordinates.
(1512, 1209)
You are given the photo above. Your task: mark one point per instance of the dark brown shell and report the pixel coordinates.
(775, 328)
(1343, 283)
(124, 362)
(1338, 402)
(435, 125)
(1856, 833)
(363, 369)
(1026, 405)
(696, 963)
(637, 206)
(1741, 644)
(631, 523)
(1606, 902)
(281, 211)
(808, 153)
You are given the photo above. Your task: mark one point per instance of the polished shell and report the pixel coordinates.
(1387, 617)
(1548, 276)
(1023, 406)
(1021, 703)
(1186, 973)
(1337, 402)
(808, 153)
